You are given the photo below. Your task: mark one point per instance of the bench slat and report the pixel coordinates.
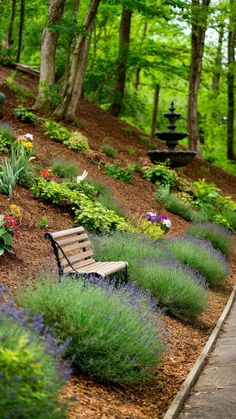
(78, 257)
(67, 232)
(79, 265)
(72, 239)
(80, 245)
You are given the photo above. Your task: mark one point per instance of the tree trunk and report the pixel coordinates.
(21, 26)
(218, 63)
(231, 80)
(125, 26)
(155, 109)
(48, 53)
(11, 23)
(199, 25)
(70, 40)
(74, 83)
(138, 67)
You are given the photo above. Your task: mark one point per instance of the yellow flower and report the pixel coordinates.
(28, 145)
(15, 211)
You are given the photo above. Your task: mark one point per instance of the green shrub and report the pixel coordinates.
(77, 141)
(64, 168)
(200, 255)
(15, 170)
(174, 204)
(109, 150)
(25, 116)
(218, 236)
(107, 199)
(112, 341)
(8, 229)
(2, 98)
(116, 172)
(56, 131)
(152, 230)
(230, 217)
(161, 175)
(173, 287)
(7, 136)
(92, 215)
(30, 381)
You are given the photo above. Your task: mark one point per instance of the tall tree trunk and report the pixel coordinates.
(155, 109)
(11, 23)
(231, 80)
(199, 25)
(138, 67)
(74, 83)
(70, 40)
(21, 26)
(218, 63)
(48, 53)
(125, 26)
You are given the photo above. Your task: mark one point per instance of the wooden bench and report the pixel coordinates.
(73, 252)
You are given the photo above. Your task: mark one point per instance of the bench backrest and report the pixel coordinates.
(72, 248)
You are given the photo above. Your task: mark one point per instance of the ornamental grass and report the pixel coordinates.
(217, 235)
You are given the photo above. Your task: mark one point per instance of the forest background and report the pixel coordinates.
(132, 57)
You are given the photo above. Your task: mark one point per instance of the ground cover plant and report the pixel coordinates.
(7, 136)
(117, 172)
(25, 116)
(64, 168)
(115, 338)
(175, 288)
(200, 255)
(31, 372)
(88, 213)
(217, 235)
(109, 150)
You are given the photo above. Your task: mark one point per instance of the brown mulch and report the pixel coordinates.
(33, 254)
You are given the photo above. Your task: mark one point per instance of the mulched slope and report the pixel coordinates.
(33, 253)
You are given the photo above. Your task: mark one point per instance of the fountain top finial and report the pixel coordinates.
(172, 106)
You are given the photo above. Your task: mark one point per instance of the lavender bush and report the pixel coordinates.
(216, 234)
(200, 255)
(30, 373)
(115, 338)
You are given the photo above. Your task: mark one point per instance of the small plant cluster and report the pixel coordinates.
(17, 169)
(25, 116)
(64, 168)
(109, 150)
(115, 337)
(7, 137)
(8, 232)
(92, 215)
(196, 201)
(160, 220)
(31, 372)
(74, 140)
(116, 172)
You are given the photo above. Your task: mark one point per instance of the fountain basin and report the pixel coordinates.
(177, 158)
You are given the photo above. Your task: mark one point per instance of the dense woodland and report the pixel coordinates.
(132, 57)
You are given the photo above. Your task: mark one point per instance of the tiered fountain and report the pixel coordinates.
(177, 158)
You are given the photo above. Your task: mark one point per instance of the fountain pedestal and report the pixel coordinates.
(177, 158)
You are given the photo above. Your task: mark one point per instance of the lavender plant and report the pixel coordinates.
(31, 375)
(113, 341)
(217, 235)
(202, 256)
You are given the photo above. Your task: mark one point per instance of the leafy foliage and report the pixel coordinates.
(161, 175)
(7, 136)
(116, 171)
(77, 141)
(56, 131)
(109, 150)
(25, 116)
(112, 340)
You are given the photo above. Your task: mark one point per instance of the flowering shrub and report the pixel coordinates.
(115, 337)
(161, 220)
(46, 174)
(31, 374)
(15, 212)
(8, 231)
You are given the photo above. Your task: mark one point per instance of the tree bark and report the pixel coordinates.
(125, 26)
(11, 23)
(138, 67)
(199, 26)
(74, 83)
(70, 40)
(231, 80)
(218, 63)
(155, 109)
(21, 26)
(48, 53)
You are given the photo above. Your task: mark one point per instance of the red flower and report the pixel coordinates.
(11, 225)
(45, 174)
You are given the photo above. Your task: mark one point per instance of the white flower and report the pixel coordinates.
(167, 223)
(82, 177)
(29, 137)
